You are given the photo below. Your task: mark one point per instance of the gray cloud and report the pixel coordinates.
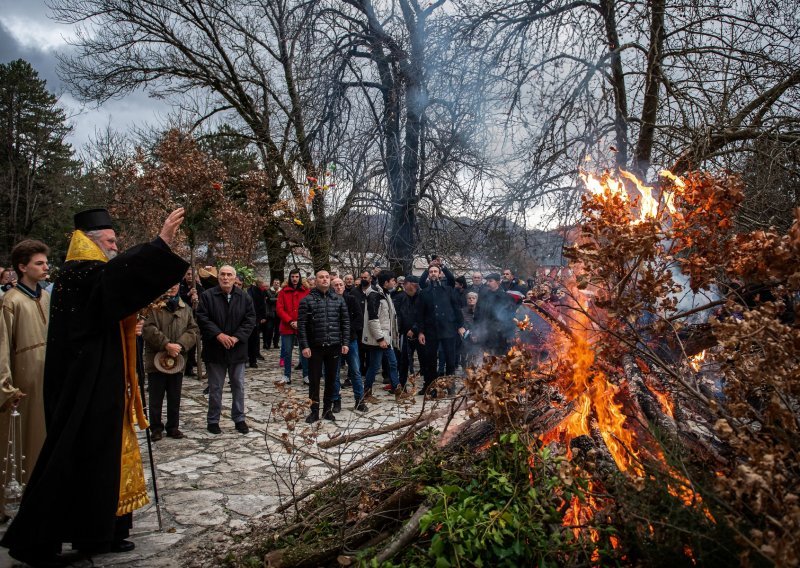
(133, 110)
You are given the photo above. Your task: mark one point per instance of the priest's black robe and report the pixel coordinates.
(73, 491)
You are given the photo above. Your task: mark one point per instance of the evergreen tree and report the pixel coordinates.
(37, 172)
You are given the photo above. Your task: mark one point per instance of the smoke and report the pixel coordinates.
(688, 300)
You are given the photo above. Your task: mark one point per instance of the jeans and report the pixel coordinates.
(216, 380)
(432, 347)
(353, 373)
(327, 358)
(288, 342)
(374, 361)
(406, 363)
(157, 385)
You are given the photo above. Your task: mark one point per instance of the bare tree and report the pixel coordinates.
(684, 84)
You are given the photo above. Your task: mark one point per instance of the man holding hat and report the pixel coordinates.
(494, 316)
(89, 477)
(169, 335)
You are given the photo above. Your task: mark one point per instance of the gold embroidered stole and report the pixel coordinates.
(132, 487)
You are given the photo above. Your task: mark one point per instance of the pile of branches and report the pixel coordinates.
(717, 470)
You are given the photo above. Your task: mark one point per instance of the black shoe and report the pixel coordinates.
(175, 433)
(328, 415)
(122, 546)
(337, 406)
(190, 373)
(214, 429)
(157, 435)
(298, 367)
(423, 391)
(205, 390)
(242, 427)
(312, 417)
(360, 407)
(253, 365)
(347, 383)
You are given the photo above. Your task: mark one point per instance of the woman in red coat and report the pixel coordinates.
(288, 301)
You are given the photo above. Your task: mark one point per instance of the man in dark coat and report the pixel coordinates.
(494, 317)
(89, 477)
(323, 329)
(405, 304)
(257, 293)
(440, 322)
(189, 291)
(226, 317)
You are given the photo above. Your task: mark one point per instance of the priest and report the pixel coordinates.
(89, 476)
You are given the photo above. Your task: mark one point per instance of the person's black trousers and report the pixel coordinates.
(271, 332)
(432, 344)
(159, 384)
(327, 357)
(406, 358)
(253, 346)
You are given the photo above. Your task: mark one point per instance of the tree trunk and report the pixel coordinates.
(608, 9)
(644, 146)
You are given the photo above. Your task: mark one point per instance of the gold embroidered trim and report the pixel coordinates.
(82, 247)
(132, 486)
(29, 347)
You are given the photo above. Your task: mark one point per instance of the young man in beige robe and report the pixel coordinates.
(23, 336)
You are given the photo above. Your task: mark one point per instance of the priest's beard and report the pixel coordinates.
(109, 253)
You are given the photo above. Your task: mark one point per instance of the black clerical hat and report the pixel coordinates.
(93, 220)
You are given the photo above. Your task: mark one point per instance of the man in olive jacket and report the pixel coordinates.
(323, 329)
(227, 317)
(171, 329)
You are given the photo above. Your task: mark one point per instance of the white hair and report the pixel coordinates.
(224, 266)
(95, 237)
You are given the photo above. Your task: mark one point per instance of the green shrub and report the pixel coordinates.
(508, 511)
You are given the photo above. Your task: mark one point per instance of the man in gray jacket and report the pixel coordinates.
(381, 335)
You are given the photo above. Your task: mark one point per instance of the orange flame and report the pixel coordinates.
(696, 362)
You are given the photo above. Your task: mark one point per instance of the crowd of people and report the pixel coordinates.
(73, 366)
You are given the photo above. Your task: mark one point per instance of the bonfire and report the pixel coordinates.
(659, 424)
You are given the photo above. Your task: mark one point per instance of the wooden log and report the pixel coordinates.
(404, 537)
(349, 469)
(414, 420)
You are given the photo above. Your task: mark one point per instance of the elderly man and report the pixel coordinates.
(477, 284)
(174, 331)
(353, 360)
(89, 477)
(226, 317)
(23, 338)
(323, 328)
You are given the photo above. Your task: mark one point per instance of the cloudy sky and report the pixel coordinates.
(26, 32)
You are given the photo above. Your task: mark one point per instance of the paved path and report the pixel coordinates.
(212, 485)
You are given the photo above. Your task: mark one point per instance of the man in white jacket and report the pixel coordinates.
(381, 335)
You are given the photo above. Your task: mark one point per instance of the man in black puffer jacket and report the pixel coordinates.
(323, 330)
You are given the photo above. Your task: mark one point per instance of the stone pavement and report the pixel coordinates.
(211, 485)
